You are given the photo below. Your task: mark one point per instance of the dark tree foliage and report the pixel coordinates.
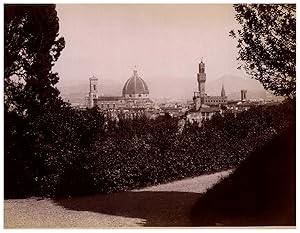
(31, 48)
(267, 45)
(81, 152)
(143, 152)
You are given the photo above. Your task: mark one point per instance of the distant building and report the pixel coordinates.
(200, 97)
(243, 95)
(135, 95)
(205, 106)
(174, 111)
(205, 113)
(93, 94)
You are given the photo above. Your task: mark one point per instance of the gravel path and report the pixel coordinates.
(158, 206)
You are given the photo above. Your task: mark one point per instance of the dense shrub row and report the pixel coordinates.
(74, 153)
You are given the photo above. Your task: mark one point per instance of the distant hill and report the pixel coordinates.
(172, 88)
(76, 91)
(168, 88)
(233, 86)
(159, 88)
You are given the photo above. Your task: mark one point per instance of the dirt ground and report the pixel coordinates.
(166, 205)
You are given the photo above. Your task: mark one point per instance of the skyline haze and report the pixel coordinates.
(164, 41)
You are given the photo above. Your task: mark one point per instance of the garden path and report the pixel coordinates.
(158, 206)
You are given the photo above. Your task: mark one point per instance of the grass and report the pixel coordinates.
(261, 192)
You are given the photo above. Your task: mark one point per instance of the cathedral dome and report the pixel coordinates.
(135, 86)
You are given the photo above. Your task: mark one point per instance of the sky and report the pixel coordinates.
(162, 41)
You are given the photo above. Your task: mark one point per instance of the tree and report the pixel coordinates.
(267, 45)
(31, 48)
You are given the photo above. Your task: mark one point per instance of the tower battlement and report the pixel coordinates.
(201, 78)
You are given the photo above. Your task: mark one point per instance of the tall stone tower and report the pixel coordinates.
(201, 78)
(243, 95)
(223, 91)
(93, 94)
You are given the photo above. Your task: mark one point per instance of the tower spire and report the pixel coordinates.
(223, 94)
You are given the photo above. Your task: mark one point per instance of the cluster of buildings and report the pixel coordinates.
(135, 101)
(135, 95)
(205, 106)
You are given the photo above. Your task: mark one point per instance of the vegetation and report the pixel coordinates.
(31, 47)
(261, 191)
(267, 45)
(79, 153)
(54, 150)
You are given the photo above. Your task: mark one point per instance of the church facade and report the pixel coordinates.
(135, 95)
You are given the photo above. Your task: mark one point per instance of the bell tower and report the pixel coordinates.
(201, 78)
(223, 91)
(93, 94)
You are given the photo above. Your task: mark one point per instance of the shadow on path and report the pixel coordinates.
(159, 209)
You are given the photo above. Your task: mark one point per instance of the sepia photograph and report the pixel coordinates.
(149, 115)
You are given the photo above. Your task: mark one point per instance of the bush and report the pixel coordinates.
(73, 152)
(260, 192)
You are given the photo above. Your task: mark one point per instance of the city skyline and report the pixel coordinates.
(165, 42)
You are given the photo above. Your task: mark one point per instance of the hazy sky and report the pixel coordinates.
(162, 41)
